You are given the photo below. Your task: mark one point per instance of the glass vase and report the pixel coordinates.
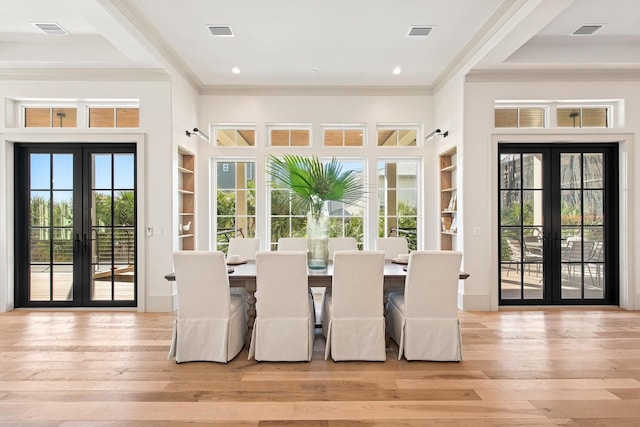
(318, 240)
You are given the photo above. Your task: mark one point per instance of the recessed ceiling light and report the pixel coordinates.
(49, 27)
(221, 30)
(397, 70)
(235, 70)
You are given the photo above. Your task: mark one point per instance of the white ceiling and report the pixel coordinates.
(312, 43)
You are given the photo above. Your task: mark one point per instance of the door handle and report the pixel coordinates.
(76, 243)
(85, 242)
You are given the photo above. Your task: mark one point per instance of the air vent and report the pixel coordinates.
(420, 31)
(220, 30)
(587, 30)
(49, 28)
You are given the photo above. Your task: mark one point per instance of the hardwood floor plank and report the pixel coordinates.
(528, 367)
(589, 409)
(531, 384)
(415, 410)
(562, 394)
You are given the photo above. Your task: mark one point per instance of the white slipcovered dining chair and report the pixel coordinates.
(353, 320)
(292, 244)
(211, 323)
(342, 244)
(335, 244)
(423, 320)
(245, 247)
(284, 325)
(392, 246)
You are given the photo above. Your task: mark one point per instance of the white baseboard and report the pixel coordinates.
(162, 303)
(468, 302)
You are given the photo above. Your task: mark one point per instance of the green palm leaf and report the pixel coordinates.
(313, 182)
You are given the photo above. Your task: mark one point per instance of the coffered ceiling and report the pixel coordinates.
(312, 43)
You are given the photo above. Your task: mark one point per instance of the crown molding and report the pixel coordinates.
(317, 90)
(84, 74)
(554, 75)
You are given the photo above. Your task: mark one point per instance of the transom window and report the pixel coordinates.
(235, 136)
(398, 136)
(520, 117)
(114, 117)
(289, 136)
(581, 117)
(351, 136)
(47, 117)
(116, 113)
(556, 114)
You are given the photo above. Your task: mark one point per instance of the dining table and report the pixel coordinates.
(243, 275)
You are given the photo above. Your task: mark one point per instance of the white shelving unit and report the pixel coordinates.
(448, 199)
(186, 202)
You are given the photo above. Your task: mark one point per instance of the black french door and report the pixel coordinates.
(75, 228)
(558, 224)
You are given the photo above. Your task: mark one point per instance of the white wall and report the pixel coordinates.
(184, 116)
(480, 178)
(448, 105)
(154, 181)
(316, 110)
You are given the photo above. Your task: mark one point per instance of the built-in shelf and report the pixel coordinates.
(186, 199)
(448, 199)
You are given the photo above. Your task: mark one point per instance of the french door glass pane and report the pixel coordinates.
(40, 289)
(521, 221)
(62, 176)
(101, 171)
(510, 171)
(101, 200)
(62, 282)
(532, 170)
(570, 167)
(112, 234)
(124, 208)
(123, 171)
(40, 208)
(593, 207)
(62, 245)
(40, 245)
(593, 177)
(62, 208)
(582, 226)
(51, 227)
(510, 212)
(40, 171)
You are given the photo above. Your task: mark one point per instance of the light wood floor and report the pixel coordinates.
(523, 367)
